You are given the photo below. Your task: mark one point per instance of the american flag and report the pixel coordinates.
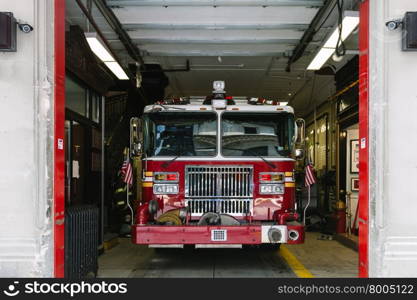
(127, 172)
(310, 179)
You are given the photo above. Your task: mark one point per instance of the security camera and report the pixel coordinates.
(393, 25)
(26, 28)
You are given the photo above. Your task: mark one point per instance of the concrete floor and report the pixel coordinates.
(324, 258)
(321, 258)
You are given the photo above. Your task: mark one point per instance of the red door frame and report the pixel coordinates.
(59, 132)
(364, 138)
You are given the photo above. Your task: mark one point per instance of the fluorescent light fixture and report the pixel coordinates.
(98, 47)
(321, 58)
(117, 70)
(349, 24)
(283, 103)
(101, 51)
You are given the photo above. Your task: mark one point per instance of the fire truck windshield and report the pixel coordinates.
(181, 134)
(257, 134)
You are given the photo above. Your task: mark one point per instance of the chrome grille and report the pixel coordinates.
(218, 181)
(234, 207)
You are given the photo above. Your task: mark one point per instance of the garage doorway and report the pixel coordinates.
(60, 126)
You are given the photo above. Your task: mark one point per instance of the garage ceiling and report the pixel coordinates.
(244, 42)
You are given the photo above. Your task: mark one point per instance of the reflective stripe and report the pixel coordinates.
(288, 174)
(147, 184)
(297, 267)
(149, 179)
(148, 174)
(289, 184)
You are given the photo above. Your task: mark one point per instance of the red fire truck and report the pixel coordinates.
(219, 173)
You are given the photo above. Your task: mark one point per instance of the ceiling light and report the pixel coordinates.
(350, 22)
(117, 70)
(321, 58)
(101, 51)
(98, 47)
(283, 103)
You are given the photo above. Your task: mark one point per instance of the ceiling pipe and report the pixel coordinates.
(186, 69)
(214, 3)
(148, 41)
(309, 34)
(214, 26)
(108, 14)
(215, 53)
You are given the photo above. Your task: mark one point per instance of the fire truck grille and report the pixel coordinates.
(218, 181)
(234, 207)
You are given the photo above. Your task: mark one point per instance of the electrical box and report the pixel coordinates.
(410, 31)
(7, 32)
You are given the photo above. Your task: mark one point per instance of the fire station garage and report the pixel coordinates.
(214, 138)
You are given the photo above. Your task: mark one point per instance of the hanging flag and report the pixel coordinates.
(310, 179)
(127, 172)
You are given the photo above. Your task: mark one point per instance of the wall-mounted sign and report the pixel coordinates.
(354, 185)
(354, 156)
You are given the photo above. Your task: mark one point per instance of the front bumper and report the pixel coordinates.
(206, 235)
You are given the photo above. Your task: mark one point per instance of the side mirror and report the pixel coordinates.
(301, 131)
(136, 142)
(299, 151)
(299, 154)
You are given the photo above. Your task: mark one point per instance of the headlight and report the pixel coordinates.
(271, 189)
(161, 189)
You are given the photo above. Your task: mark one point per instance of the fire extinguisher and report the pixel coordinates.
(340, 215)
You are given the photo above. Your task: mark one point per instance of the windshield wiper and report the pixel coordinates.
(254, 153)
(168, 163)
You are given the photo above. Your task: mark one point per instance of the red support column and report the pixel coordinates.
(364, 138)
(59, 132)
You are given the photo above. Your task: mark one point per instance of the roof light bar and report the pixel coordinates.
(100, 50)
(350, 22)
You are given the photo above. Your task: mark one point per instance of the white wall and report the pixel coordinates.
(393, 145)
(26, 98)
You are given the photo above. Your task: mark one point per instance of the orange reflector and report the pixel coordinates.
(160, 176)
(277, 177)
